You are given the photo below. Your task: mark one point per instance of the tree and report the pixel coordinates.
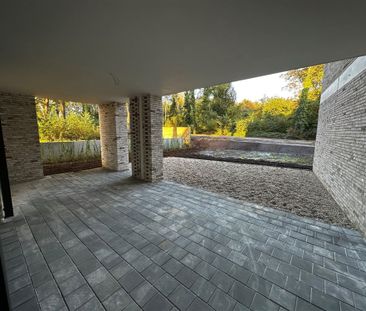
(308, 77)
(189, 108)
(308, 83)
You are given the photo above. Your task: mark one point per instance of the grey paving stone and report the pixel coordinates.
(15, 262)
(222, 264)
(143, 293)
(261, 303)
(177, 252)
(130, 280)
(221, 301)
(19, 283)
(283, 297)
(132, 307)
(324, 301)
(256, 267)
(78, 297)
(120, 270)
(181, 297)
(16, 271)
(173, 266)
(187, 277)
(117, 301)
(143, 217)
(269, 261)
(166, 284)
(161, 258)
(88, 266)
(325, 273)
(360, 301)
(92, 305)
(199, 305)
(97, 276)
(351, 284)
(339, 292)
(71, 284)
(190, 260)
(141, 263)
(158, 303)
(112, 260)
(205, 269)
(237, 258)
(182, 241)
(30, 305)
(240, 274)
(289, 270)
(64, 273)
(21, 296)
(60, 263)
(222, 281)
(242, 293)
(302, 305)
(153, 273)
(41, 277)
(47, 289)
(150, 250)
(275, 277)
(106, 288)
(312, 280)
(298, 288)
(52, 303)
(260, 285)
(203, 289)
(302, 264)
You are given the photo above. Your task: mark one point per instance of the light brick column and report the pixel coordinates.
(146, 121)
(114, 135)
(21, 139)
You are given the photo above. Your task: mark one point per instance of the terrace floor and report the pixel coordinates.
(98, 240)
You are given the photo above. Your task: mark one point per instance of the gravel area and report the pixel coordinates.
(292, 190)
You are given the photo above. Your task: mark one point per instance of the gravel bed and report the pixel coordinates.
(292, 190)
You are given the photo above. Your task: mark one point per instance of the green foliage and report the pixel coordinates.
(273, 115)
(305, 119)
(189, 109)
(213, 110)
(72, 124)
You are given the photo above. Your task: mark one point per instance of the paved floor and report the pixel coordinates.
(97, 240)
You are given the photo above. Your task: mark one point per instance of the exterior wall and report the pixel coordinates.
(146, 123)
(114, 136)
(20, 130)
(340, 150)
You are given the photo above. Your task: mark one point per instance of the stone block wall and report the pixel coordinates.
(146, 121)
(21, 139)
(114, 136)
(340, 149)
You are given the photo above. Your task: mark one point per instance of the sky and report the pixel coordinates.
(265, 86)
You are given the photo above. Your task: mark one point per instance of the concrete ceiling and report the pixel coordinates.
(98, 51)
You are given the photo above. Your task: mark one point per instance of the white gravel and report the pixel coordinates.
(293, 190)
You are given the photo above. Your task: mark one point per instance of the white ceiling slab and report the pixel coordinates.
(94, 51)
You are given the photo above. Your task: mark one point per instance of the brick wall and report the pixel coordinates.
(146, 118)
(20, 130)
(340, 150)
(114, 136)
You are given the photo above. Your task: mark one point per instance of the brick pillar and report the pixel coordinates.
(21, 139)
(146, 121)
(114, 136)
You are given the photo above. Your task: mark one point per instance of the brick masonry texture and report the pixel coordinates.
(333, 70)
(20, 130)
(146, 137)
(114, 135)
(340, 150)
(100, 240)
